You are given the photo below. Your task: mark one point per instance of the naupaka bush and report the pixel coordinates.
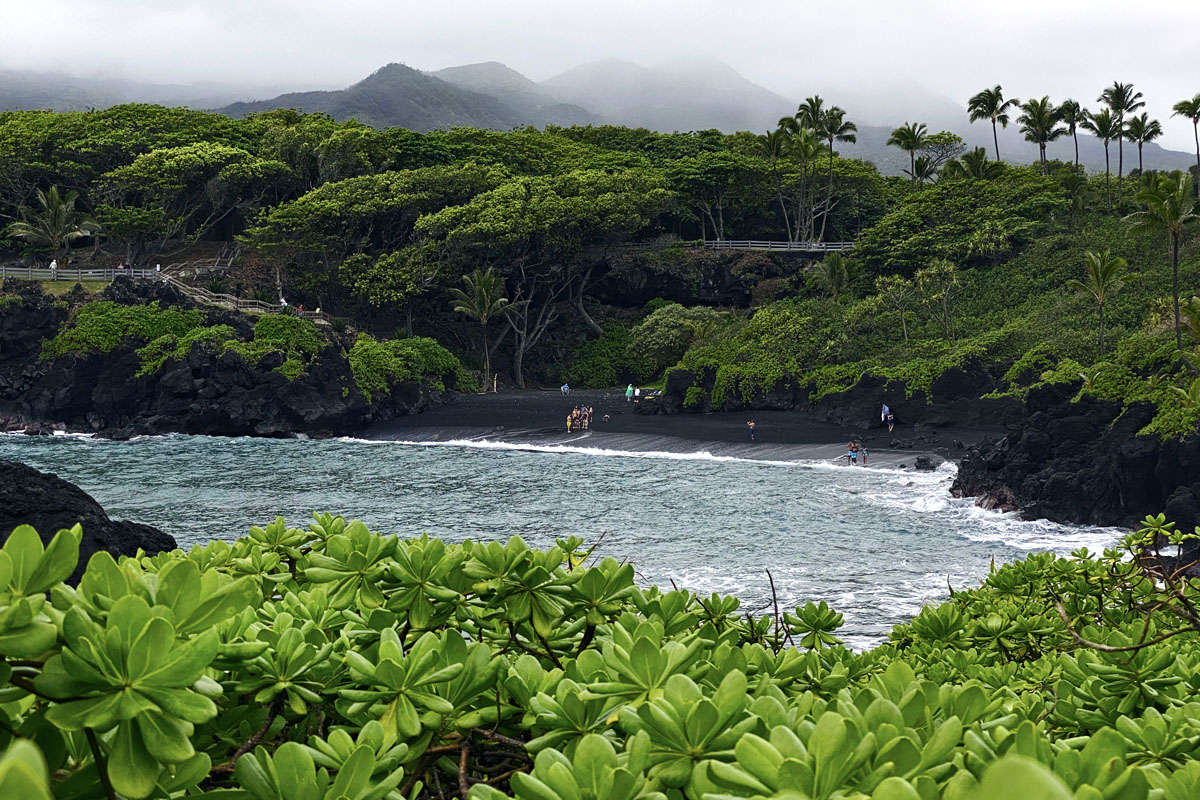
(334, 662)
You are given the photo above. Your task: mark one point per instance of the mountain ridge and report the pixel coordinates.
(696, 93)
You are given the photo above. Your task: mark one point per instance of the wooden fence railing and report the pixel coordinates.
(792, 247)
(94, 274)
(738, 244)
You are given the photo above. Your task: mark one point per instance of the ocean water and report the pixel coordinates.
(875, 543)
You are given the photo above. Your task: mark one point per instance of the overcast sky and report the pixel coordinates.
(953, 47)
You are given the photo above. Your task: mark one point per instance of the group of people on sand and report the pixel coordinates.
(579, 419)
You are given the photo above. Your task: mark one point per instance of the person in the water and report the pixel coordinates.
(852, 452)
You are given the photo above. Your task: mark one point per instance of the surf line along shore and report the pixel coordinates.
(534, 418)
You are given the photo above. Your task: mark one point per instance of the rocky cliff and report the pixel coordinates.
(208, 392)
(1082, 461)
(49, 504)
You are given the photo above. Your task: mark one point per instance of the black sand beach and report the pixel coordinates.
(538, 418)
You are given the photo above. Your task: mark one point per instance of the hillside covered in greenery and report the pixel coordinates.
(573, 250)
(333, 662)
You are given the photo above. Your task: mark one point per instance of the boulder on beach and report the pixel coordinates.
(49, 504)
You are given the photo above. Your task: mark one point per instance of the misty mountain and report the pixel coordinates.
(21, 89)
(687, 95)
(397, 95)
(534, 103)
(691, 94)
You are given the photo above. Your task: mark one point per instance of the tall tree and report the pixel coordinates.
(1142, 129)
(1171, 207)
(482, 301)
(833, 126)
(773, 146)
(1122, 100)
(55, 225)
(1191, 110)
(1073, 116)
(1104, 275)
(1039, 122)
(991, 105)
(896, 292)
(910, 137)
(1104, 126)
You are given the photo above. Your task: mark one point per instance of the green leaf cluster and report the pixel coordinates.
(335, 662)
(378, 366)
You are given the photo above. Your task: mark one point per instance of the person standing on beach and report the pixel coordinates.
(750, 425)
(629, 393)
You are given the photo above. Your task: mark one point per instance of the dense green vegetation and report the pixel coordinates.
(166, 334)
(964, 258)
(334, 662)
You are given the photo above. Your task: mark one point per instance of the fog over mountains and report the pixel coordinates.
(684, 94)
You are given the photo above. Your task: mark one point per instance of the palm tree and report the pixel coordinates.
(1170, 207)
(923, 170)
(1105, 127)
(833, 274)
(1142, 129)
(1191, 110)
(773, 145)
(1104, 275)
(909, 137)
(1039, 122)
(1073, 115)
(990, 104)
(973, 164)
(56, 224)
(481, 301)
(1121, 100)
(833, 126)
(810, 112)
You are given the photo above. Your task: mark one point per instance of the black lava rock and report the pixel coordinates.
(206, 392)
(1084, 462)
(49, 504)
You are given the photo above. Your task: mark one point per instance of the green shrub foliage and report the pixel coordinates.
(377, 366)
(334, 662)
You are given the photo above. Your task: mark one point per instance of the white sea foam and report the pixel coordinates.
(490, 444)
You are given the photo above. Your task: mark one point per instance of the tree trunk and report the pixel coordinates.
(1042, 155)
(995, 138)
(1120, 160)
(1075, 136)
(518, 358)
(578, 302)
(904, 325)
(487, 361)
(1102, 330)
(912, 166)
(1175, 287)
(782, 206)
(1196, 135)
(828, 195)
(1107, 173)
(1140, 158)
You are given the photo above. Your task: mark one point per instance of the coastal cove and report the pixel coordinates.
(876, 543)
